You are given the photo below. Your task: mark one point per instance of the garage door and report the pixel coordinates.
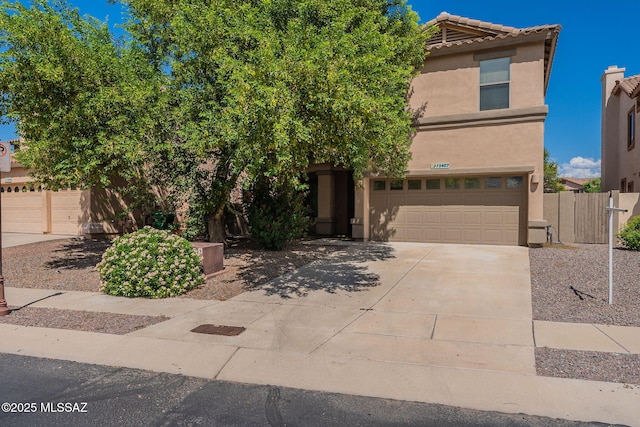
(22, 210)
(29, 210)
(486, 210)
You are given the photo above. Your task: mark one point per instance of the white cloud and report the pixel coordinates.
(580, 167)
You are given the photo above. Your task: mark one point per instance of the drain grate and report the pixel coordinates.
(227, 331)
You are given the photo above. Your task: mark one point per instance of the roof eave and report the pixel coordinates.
(552, 39)
(490, 42)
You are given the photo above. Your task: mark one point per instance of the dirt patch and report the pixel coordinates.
(69, 265)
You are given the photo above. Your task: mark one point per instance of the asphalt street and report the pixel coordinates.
(36, 391)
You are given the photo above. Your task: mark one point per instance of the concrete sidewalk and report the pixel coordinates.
(447, 324)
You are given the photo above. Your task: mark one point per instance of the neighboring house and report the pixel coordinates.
(28, 208)
(620, 115)
(574, 184)
(476, 174)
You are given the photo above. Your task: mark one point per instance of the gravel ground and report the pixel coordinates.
(588, 365)
(571, 284)
(117, 324)
(568, 284)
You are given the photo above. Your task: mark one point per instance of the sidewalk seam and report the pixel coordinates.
(608, 336)
(433, 330)
(533, 333)
(215, 377)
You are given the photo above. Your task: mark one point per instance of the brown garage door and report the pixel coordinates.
(487, 210)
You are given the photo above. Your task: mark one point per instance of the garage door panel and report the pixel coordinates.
(414, 217)
(452, 217)
(493, 236)
(490, 216)
(512, 218)
(413, 234)
(22, 212)
(472, 217)
(472, 235)
(66, 212)
(432, 217)
(453, 235)
(432, 235)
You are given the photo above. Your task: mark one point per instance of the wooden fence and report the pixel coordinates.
(582, 217)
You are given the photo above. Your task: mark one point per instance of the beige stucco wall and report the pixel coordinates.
(449, 84)
(617, 161)
(630, 202)
(505, 145)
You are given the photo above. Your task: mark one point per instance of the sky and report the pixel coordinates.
(594, 36)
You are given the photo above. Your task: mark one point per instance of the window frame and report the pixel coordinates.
(631, 129)
(495, 84)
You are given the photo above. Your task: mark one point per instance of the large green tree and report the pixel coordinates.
(222, 90)
(551, 180)
(81, 99)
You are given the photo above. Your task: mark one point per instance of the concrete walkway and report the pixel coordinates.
(16, 239)
(447, 324)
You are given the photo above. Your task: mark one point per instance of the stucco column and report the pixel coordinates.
(360, 221)
(537, 225)
(325, 222)
(46, 212)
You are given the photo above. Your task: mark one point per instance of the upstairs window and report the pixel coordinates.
(631, 129)
(494, 83)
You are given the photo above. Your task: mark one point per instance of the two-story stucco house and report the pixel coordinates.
(476, 174)
(620, 115)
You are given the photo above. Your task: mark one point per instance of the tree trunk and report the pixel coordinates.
(216, 227)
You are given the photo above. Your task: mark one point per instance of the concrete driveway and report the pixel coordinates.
(463, 306)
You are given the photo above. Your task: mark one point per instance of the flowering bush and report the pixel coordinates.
(150, 263)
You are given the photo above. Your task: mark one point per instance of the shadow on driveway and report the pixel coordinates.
(343, 270)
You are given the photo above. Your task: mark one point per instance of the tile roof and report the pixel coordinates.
(488, 30)
(467, 33)
(631, 85)
(576, 181)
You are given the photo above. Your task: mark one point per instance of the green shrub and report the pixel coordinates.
(630, 234)
(276, 214)
(150, 263)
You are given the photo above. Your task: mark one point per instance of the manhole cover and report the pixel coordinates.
(228, 331)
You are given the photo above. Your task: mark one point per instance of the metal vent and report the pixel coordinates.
(454, 36)
(228, 331)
